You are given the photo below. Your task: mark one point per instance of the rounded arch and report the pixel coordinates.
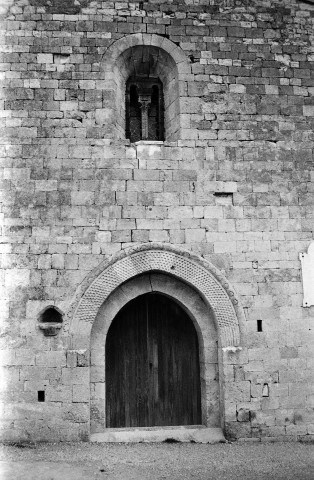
(119, 46)
(202, 276)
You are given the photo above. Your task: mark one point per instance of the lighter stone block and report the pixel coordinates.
(307, 264)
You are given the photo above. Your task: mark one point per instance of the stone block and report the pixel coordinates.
(103, 236)
(225, 247)
(100, 391)
(57, 261)
(71, 357)
(256, 391)
(75, 376)
(83, 358)
(121, 236)
(17, 278)
(155, 212)
(149, 224)
(235, 430)
(195, 235)
(80, 393)
(76, 413)
(180, 212)
(46, 185)
(238, 392)
(125, 224)
(7, 357)
(59, 393)
(69, 106)
(213, 212)
(191, 105)
(140, 236)
(24, 357)
(71, 262)
(97, 373)
(243, 415)
(82, 198)
(50, 359)
(176, 236)
(289, 352)
(158, 236)
(45, 58)
(40, 374)
(235, 356)
(308, 110)
(295, 430)
(44, 262)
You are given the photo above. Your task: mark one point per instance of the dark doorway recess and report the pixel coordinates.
(152, 365)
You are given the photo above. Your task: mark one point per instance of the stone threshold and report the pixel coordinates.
(190, 433)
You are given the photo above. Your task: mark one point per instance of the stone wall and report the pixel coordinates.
(236, 188)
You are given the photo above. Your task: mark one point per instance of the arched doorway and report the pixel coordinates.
(199, 289)
(152, 365)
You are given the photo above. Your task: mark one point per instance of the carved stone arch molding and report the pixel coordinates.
(129, 263)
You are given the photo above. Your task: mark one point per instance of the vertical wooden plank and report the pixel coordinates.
(152, 365)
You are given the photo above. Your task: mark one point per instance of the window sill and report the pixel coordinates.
(149, 142)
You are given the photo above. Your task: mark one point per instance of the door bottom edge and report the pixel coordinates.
(194, 434)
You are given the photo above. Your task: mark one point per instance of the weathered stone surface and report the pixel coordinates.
(232, 183)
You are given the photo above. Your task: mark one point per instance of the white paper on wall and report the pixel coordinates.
(307, 264)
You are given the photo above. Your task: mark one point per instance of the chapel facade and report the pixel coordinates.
(157, 217)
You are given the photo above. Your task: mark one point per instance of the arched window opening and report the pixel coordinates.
(143, 89)
(144, 109)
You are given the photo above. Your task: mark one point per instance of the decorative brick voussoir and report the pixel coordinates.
(167, 259)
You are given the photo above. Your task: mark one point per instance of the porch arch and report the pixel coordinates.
(191, 269)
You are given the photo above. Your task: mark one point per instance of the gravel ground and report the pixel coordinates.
(163, 461)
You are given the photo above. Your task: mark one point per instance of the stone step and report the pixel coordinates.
(194, 433)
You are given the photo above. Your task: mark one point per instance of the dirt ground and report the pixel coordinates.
(162, 461)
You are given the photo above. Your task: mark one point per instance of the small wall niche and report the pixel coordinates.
(259, 325)
(50, 320)
(265, 392)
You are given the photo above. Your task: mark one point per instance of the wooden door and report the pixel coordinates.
(152, 365)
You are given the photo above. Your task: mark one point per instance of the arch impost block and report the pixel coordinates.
(131, 262)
